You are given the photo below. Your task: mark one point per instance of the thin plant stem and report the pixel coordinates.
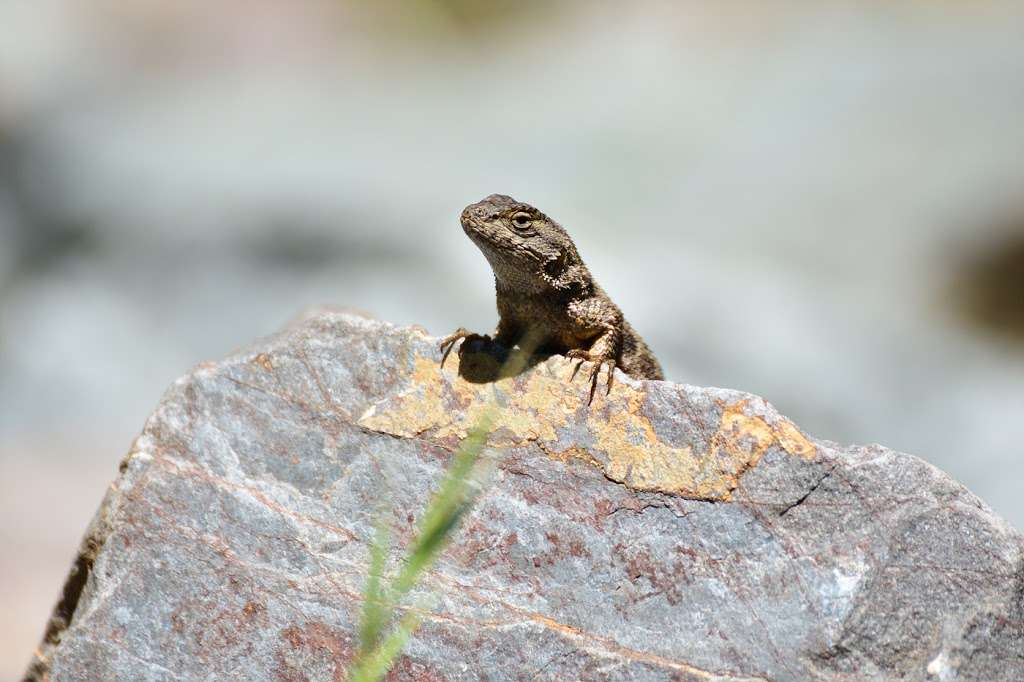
(453, 499)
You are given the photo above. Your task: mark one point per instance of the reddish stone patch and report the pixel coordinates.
(317, 651)
(652, 578)
(311, 649)
(408, 669)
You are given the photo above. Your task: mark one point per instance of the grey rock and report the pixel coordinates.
(664, 532)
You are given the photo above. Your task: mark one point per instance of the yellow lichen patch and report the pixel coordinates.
(737, 424)
(743, 435)
(263, 360)
(439, 402)
(540, 406)
(793, 441)
(631, 453)
(747, 437)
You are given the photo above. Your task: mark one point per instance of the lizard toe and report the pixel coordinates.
(448, 342)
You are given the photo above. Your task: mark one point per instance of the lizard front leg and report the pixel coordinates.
(504, 335)
(606, 348)
(460, 334)
(599, 359)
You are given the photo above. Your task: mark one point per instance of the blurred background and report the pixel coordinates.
(821, 203)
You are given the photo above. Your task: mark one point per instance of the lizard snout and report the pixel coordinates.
(473, 216)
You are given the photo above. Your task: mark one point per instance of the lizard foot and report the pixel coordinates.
(599, 361)
(448, 342)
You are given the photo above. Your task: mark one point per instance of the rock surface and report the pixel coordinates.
(664, 532)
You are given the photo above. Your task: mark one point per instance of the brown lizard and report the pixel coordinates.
(546, 292)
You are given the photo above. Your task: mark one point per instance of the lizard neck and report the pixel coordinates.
(571, 283)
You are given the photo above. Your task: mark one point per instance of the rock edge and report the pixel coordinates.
(664, 532)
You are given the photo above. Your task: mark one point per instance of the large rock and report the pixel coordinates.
(663, 532)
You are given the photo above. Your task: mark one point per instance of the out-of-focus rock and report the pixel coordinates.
(664, 532)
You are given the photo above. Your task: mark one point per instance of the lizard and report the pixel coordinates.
(545, 291)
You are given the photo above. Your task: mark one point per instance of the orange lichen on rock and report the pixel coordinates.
(614, 433)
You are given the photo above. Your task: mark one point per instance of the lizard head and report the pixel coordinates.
(526, 249)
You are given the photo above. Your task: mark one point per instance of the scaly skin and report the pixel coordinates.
(547, 294)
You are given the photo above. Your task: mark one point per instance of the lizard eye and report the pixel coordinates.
(521, 220)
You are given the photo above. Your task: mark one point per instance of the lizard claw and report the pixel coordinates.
(460, 334)
(581, 355)
(576, 369)
(448, 342)
(595, 373)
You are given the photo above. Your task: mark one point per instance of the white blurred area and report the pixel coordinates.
(786, 198)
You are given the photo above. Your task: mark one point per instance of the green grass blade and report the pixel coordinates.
(377, 664)
(446, 509)
(454, 497)
(375, 611)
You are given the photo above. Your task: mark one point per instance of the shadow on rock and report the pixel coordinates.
(482, 361)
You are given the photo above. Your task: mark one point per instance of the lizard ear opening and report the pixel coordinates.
(554, 266)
